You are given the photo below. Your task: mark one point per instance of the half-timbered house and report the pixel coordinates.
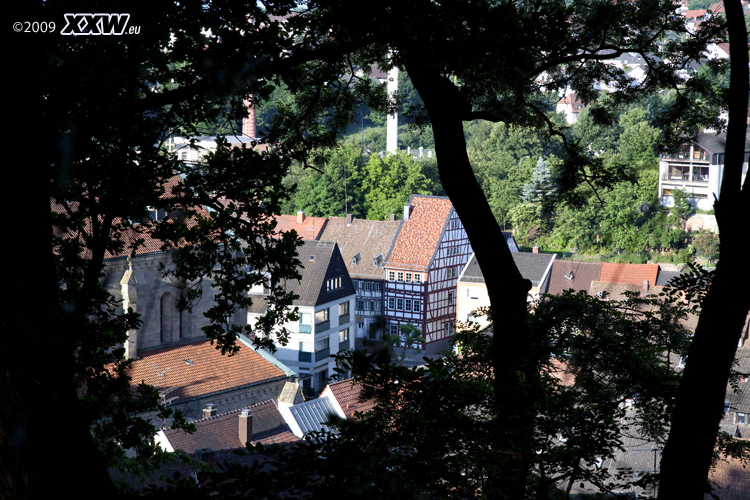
(364, 245)
(430, 250)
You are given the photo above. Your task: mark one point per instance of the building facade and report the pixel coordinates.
(422, 267)
(325, 305)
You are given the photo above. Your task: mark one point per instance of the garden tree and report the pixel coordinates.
(410, 337)
(528, 221)
(541, 186)
(681, 209)
(638, 140)
(389, 182)
(596, 138)
(578, 229)
(706, 245)
(335, 189)
(692, 438)
(619, 216)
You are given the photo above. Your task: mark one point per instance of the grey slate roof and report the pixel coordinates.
(370, 240)
(471, 272)
(532, 266)
(664, 277)
(717, 143)
(320, 261)
(312, 415)
(572, 275)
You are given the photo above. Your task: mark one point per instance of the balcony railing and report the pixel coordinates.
(305, 328)
(343, 346)
(322, 354)
(305, 357)
(322, 326)
(343, 318)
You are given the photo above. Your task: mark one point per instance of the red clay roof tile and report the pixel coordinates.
(629, 274)
(418, 238)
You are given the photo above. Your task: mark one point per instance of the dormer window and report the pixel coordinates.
(356, 259)
(377, 261)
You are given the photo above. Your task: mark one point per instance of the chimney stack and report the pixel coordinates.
(407, 212)
(349, 219)
(248, 123)
(300, 217)
(246, 426)
(209, 411)
(535, 249)
(644, 288)
(393, 217)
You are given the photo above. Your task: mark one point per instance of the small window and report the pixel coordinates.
(394, 329)
(400, 276)
(344, 308)
(305, 346)
(407, 305)
(376, 287)
(305, 318)
(417, 277)
(391, 303)
(376, 306)
(408, 277)
(356, 259)
(742, 418)
(416, 305)
(450, 297)
(344, 335)
(391, 276)
(321, 316)
(360, 304)
(399, 304)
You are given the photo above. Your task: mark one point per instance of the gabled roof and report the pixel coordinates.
(311, 416)
(419, 237)
(363, 243)
(534, 266)
(629, 274)
(471, 273)
(349, 397)
(320, 261)
(138, 233)
(572, 275)
(221, 432)
(309, 229)
(198, 369)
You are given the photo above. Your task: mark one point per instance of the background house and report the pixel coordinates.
(325, 305)
(697, 168)
(364, 245)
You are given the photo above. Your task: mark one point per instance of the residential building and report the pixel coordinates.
(364, 245)
(697, 168)
(348, 398)
(422, 267)
(572, 275)
(570, 106)
(616, 279)
(472, 290)
(194, 376)
(325, 304)
(307, 228)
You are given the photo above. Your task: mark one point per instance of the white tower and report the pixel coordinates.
(391, 140)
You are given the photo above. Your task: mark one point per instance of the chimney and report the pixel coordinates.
(300, 217)
(349, 219)
(644, 288)
(393, 217)
(407, 211)
(246, 426)
(209, 411)
(535, 249)
(248, 123)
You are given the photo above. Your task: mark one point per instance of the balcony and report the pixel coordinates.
(322, 354)
(322, 326)
(344, 346)
(343, 319)
(305, 357)
(305, 328)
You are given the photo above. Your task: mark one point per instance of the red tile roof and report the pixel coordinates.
(131, 234)
(349, 397)
(629, 274)
(418, 238)
(221, 432)
(310, 228)
(199, 369)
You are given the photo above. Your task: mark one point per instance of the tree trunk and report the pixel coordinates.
(700, 400)
(511, 355)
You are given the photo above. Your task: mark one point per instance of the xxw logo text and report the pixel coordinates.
(95, 24)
